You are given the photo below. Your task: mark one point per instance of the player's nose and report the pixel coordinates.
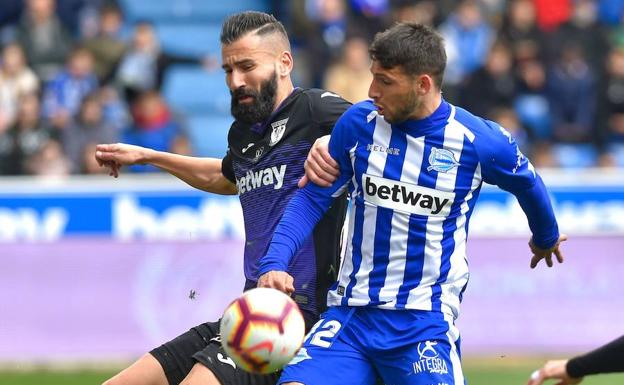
(373, 93)
(237, 80)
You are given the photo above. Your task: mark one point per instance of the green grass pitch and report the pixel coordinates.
(481, 372)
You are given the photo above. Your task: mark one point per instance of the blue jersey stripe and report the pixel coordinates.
(414, 259)
(392, 170)
(463, 182)
(365, 137)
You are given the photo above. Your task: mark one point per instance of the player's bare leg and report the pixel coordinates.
(200, 375)
(145, 371)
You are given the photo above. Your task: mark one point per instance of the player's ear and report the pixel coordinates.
(424, 84)
(285, 64)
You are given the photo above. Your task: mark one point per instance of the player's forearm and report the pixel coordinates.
(302, 213)
(606, 359)
(535, 203)
(202, 173)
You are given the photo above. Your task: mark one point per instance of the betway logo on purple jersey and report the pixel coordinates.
(270, 176)
(407, 197)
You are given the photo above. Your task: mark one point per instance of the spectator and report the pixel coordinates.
(520, 29)
(551, 13)
(468, 39)
(350, 77)
(88, 130)
(327, 36)
(584, 31)
(44, 38)
(143, 66)
(423, 12)
(48, 161)
(493, 85)
(610, 120)
(572, 97)
(16, 79)
(25, 139)
(107, 47)
(531, 102)
(63, 95)
(114, 109)
(155, 127)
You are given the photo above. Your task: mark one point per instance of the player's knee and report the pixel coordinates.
(200, 375)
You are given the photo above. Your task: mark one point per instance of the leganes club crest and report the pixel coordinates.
(278, 131)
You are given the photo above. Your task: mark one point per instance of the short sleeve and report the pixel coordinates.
(327, 109)
(226, 167)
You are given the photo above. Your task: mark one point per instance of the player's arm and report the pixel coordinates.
(302, 213)
(505, 166)
(202, 173)
(605, 359)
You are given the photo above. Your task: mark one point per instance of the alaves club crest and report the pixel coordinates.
(278, 131)
(441, 160)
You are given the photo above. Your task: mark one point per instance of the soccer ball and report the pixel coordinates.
(262, 330)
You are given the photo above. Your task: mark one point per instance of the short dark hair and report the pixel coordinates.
(239, 24)
(415, 47)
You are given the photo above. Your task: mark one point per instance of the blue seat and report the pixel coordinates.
(193, 90)
(575, 155)
(195, 40)
(208, 134)
(187, 10)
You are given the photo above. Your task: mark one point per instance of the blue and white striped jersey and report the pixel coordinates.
(413, 187)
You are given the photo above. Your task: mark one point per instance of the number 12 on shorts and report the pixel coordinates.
(323, 333)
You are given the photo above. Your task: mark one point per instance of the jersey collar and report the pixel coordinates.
(420, 127)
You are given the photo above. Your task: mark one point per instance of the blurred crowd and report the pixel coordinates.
(74, 73)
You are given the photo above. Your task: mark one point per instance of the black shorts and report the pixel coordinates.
(203, 344)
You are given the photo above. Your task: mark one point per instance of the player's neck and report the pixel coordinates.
(429, 105)
(283, 92)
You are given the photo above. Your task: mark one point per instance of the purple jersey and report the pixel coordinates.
(266, 162)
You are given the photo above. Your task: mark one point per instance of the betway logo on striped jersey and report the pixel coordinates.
(270, 176)
(407, 197)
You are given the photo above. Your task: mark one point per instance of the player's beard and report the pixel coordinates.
(404, 111)
(262, 105)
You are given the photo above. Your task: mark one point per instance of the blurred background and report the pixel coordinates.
(96, 271)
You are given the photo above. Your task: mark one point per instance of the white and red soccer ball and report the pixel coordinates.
(262, 330)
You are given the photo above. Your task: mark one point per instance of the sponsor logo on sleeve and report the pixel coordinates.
(406, 197)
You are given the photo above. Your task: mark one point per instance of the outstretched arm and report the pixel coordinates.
(605, 359)
(202, 173)
(504, 165)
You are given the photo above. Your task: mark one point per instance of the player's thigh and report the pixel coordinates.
(176, 356)
(200, 375)
(145, 371)
(328, 358)
(213, 364)
(423, 363)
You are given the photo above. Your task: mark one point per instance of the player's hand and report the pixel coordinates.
(320, 167)
(279, 280)
(116, 155)
(546, 254)
(553, 370)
